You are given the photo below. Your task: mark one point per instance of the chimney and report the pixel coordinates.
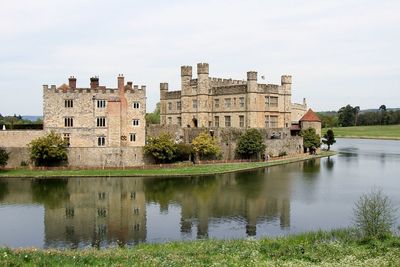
(121, 82)
(130, 84)
(72, 82)
(94, 82)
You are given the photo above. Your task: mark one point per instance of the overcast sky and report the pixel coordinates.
(338, 52)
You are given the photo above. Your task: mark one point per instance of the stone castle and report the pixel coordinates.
(105, 127)
(217, 102)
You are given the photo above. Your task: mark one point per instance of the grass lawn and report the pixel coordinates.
(178, 171)
(373, 132)
(334, 248)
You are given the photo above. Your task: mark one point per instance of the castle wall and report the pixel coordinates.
(19, 138)
(312, 124)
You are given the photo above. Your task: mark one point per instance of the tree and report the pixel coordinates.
(347, 116)
(48, 150)
(205, 146)
(161, 148)
(3, 157)
(311, 140)
(250, 144)
(154, 117)
(374, 215)
(329, 139)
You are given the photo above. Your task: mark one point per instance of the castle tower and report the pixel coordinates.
(203, 86)
(251, 99)
(186, 96)
(72, 82)
(286, 83)
(163, 103)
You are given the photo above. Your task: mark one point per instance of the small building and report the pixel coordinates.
(311, 120)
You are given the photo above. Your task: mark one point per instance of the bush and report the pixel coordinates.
(282, 154)
(311, 139)
(183, 152)
(48, 150)
(374, 215)
(3, 157)
(250, 144)
(162, 148)
(205, 147)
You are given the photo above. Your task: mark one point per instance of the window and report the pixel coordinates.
(179, 119)
(271, 121)
(169, 105)
(136, 227)
(133, 195)
(216, 121)
(227, 121)
(178, 105)
(169, 120)
(101, 141)
(102, 212)
(101, 103)
(136, 210)
(227, 102)
(194, 103)
(69, 122)
(101, 122)
(69, 103)
(132, 137)
(241, 102)
(216, 103)
(241, 121)
(102, 195)
(271, 102)
(67, 138)
(136, 105)
(69, 212)
(135, 122)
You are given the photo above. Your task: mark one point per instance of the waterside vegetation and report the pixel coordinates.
(176, 170)
(333, 248)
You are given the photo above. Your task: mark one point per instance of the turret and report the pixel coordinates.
(186, 76)
(286, 80)
(252, 81)
(72, 82)
(202, 68)
(163, 91)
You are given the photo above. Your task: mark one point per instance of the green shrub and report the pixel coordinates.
(282, 154)
(374, 215)
(4, 155)
(205, 146)
(48, 150)
(250, 144)
(162, 148)
(183, 152)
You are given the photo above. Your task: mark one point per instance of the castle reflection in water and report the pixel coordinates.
(86, 211)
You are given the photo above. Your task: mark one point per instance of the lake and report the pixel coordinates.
(274, 201)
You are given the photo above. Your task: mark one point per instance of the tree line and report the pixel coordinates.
(352, 116)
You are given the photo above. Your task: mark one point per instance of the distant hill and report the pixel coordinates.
(31, 118)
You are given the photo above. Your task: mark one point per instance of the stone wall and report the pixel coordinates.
(87, 157)
(19, 138)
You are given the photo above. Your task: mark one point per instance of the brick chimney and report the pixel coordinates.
(72, 82)
(94, 82)
(121, 83)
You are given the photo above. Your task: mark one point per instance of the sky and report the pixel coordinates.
(338, 51)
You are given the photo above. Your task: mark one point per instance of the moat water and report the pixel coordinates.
(280, 200)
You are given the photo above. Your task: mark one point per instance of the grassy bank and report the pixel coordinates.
(204, 169)
(373, 132)
(335, 248)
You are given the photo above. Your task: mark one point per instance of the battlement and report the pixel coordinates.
(268, 88)
(286, 79)
(216, 82)
(174, 95)
(202, 68)
(95, 87)
(228, 90)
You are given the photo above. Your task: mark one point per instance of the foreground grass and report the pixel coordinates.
(178, 171)
(373, 132)
(335, 248)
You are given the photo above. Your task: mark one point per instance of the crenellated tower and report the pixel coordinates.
(251, 99)
(203, 86)
(163, 102)
(286, 84)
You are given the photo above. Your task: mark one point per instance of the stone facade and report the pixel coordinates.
(216, 102)
(96, 116)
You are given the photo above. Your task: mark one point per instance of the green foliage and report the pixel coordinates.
(161, 148)
(311, 140)
(347, 116)
(250, 144)
(17, 122)
(205, 147)
(374, 215)
(329, 139)
(183, 152)
(328, 119)
(48, 150)
(154, 117)
(3, 157)
(331, 248)
(282, 154)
